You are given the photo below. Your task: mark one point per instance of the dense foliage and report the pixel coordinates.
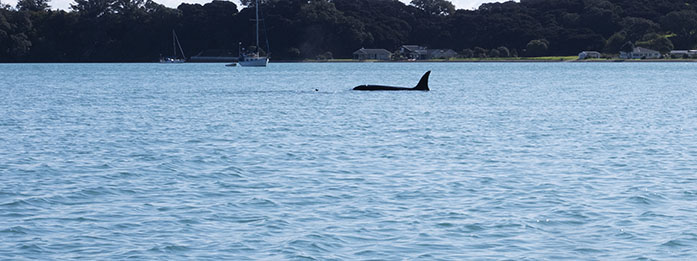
(140, 30)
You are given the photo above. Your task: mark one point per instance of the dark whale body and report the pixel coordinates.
(422, 86)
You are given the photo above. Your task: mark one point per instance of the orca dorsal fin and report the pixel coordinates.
(423, 83)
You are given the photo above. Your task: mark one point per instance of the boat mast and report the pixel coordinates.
(180, 46)
(174, 43)
(257, 20)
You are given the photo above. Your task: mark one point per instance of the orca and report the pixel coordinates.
(422, 86)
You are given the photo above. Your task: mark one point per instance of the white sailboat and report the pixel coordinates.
(174, 58)
(253, 59)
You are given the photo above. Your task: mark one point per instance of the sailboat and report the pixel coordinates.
(174, 58)
(253, 59)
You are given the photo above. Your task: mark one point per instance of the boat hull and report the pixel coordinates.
(254, 62)
(172, 60)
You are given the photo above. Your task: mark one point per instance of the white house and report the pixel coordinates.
(640, 53)
(372, 54)
(683, 53)
(415, 52)
(589, 55)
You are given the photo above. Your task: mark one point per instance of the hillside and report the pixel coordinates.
(139, 30)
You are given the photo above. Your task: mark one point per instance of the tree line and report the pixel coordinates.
(140, 30)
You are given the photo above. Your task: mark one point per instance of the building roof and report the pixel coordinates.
(643, 50)
(421, 50)
(683, 51)
(372, 51)
(591, 52)
(414, 48)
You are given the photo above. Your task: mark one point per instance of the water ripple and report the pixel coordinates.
(498, 162)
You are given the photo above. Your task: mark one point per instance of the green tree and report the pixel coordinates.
(4, 6)
(570, 19)
(479, 52)
(93, 8)
(684, 21)
(294, 53)
(128, 8)
(467, 53)
(19, 45)
(324, 28)
(684, 25)
(602, 18)
(536, 48)
(637, 27)
(33, 5)
(325, 56)
(250, 3)
(5, 28)
(494, 53)
(387, 24)
(504, 52)
(615, 42)
(627, 47)
(656, 42)
(139, 30)
(15, 28)
(435, 7)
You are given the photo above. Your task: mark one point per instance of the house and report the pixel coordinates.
(372, 54)
(441, 53)
(414, 52)
(640, 53)
(588, 55)
(683, 53)
(679, 54)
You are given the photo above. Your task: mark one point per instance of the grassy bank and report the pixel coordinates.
(499, 59)
(517, 59)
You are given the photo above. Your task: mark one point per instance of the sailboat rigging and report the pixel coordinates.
(253, 58)
(174, 58)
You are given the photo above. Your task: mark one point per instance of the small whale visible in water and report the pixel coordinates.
(422, 86)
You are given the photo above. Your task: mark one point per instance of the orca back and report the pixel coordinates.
(422, 86)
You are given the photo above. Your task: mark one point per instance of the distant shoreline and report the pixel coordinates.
(418, 61)
(503, 61)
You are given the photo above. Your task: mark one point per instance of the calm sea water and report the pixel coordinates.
(201, 161)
